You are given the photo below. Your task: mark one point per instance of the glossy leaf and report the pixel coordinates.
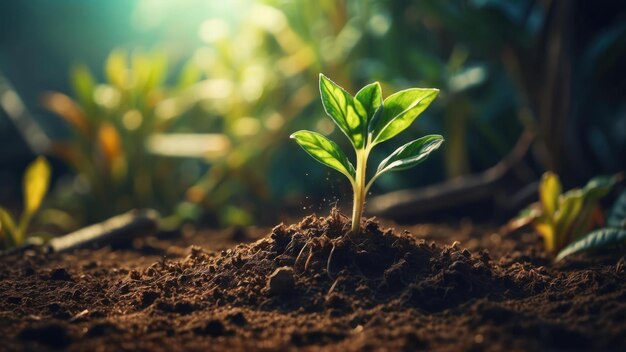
(544, 227)
(570, 206)
(348, 113)
(410, 154)
(598, 187)
(399, 112)
(371, 97)
(325, 151)
(594, 240)
(549, 192)
(35, 184)
(617, 215)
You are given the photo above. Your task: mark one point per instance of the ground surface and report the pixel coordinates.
(305, 287)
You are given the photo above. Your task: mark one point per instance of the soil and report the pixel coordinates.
(307, 286)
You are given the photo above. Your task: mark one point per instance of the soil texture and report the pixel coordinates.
(308, 286)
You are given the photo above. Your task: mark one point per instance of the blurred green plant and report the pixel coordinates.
(367, 120)
(112, 124)
(564, 219)
(35, 183)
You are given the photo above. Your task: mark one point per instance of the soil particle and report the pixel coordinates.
(50, 334)
(281, 282)
(60, 274)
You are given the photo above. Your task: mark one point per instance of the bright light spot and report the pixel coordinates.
(467, 79)
(189, 145)
(106, 96)
(213, 30)
(252, 85)
(379, 24)
(246, 126)
(268, 18)
(12, 103)
(214, 89)
(274, 121)
(167, 109)
(325, 126)
(132, 119)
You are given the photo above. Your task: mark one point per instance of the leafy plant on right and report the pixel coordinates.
(565, 219)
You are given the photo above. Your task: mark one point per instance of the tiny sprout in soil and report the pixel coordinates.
(367, 120)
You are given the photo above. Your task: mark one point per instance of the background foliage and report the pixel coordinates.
(246, 72)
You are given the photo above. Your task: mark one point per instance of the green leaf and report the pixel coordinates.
(410, 154)
(617, 215)
(399, 112)
(7, 224)
(83, 84)
(549, 192)
(116, 67)
(570, 206)
(595, 239)
(35, 184)
(371, 97)
(347, 112)
(325, 151)
(598, 187)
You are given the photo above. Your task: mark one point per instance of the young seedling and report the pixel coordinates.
(367, 121)
(35, 186)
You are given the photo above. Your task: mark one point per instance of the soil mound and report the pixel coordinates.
(309, 284)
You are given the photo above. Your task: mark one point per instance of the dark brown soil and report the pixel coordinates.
(306, 286)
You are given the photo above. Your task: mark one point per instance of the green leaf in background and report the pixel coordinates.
(410, 154)
(116, 67)
(371, 97)
(399, 112)
(617, 215)
(570, 206)
(347, 112)
(35, 184)
(549, 192)
(83, 84)
(325, 151)
(595, 239)
(598, 187)
(7, 224)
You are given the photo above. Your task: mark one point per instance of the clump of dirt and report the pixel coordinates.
(310, 284)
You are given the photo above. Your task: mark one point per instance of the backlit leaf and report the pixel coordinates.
(570, 206)
(399, 112)
(545, 228)
(116, 69)
(549, 192)
(325, 151)
(410, 154)
(371, 98)
(7, 224)
(595, 239)
(348, 113)
(35, 184)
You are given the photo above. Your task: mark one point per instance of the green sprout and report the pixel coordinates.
(367, 120)
(35, 186)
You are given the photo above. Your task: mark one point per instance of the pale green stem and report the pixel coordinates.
(359, 189)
